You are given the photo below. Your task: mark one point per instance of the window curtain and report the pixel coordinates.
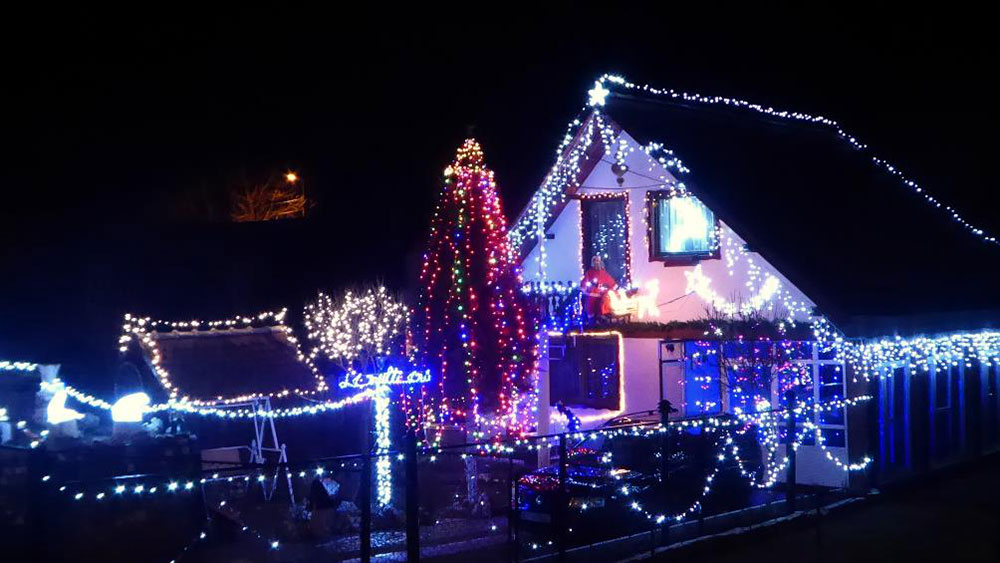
(605, 232)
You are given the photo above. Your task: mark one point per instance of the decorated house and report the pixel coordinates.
(717, 254)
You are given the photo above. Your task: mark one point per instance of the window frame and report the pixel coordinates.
(581, 401)
(587, 249)
(653, 200)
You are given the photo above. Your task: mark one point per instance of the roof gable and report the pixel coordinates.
(840, 225)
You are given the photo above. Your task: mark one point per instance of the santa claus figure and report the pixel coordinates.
(597, 282)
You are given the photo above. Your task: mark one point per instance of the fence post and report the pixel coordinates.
(665, 408)
(562, 500)
(366, 508)
(790, 448)
(38, 499)
(819, 525)
(412, 498)
(512, 509)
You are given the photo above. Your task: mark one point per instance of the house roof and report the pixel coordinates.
(227, 362)
(876, 258)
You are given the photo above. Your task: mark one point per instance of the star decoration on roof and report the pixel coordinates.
(597, 94)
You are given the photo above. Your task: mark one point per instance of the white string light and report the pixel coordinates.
(6, 365)
(832, 124)
(357, 327)
(145, 330)
(207, 410)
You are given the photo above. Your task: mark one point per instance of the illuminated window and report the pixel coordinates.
(681, 227)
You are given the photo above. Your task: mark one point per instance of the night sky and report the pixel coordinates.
(123, 130)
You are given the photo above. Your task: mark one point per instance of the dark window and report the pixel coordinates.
(748, 378)
(585, 371)
(605, 234)
(682, 227)
(797, 350)
(834, 438)
(831, 388)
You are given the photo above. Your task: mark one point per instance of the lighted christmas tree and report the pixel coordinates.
(473, 326)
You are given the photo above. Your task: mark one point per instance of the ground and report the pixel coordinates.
(951, 517)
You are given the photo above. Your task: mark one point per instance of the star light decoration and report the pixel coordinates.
(598, 94)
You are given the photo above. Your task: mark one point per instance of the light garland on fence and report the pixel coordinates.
(139, 487)
(198, 538)
(143, 330)
(772, 469)
(821, 442)
(728, 448)
(271, 543)
(129, 487)
(225, 412)
(696, 505)
(648, 429)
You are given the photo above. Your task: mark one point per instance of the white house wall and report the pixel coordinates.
(562, 254)
(675, 303)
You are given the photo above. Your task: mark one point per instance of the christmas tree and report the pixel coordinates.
(473, 326)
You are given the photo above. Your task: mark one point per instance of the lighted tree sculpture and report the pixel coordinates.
(473, 327)
(359, 330)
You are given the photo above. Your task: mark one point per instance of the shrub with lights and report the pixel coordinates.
(473, 327)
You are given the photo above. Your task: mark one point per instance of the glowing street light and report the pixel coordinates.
(291, 177)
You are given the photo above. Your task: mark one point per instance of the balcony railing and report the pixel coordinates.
(559, 305)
